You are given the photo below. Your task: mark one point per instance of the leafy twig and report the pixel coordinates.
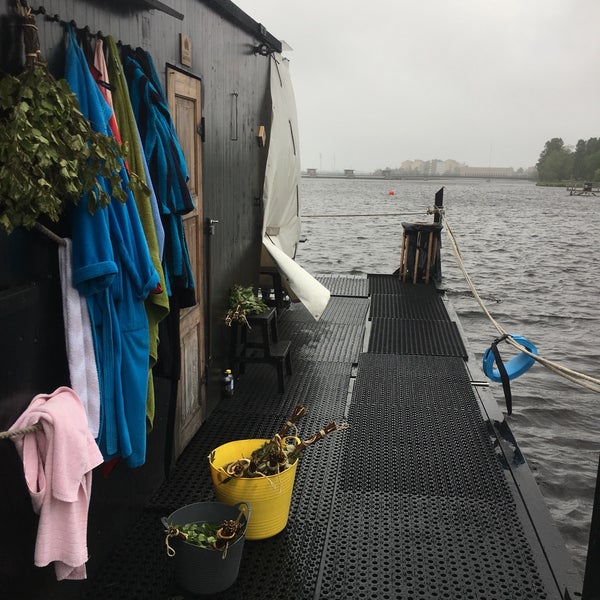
(242, 302)
(49, 154)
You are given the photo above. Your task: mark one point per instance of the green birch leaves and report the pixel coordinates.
(49, 154)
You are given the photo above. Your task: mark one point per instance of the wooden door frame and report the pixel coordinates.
(200, 272)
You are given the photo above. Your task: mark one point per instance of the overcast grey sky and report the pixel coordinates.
(479, 81)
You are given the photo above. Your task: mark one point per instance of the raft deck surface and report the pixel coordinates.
(416, 500)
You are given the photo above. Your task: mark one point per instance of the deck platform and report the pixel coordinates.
(425, 496)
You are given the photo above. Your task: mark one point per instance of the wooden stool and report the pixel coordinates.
(263, 347)
(418, 238)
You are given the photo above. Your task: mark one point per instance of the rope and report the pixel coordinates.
(586, 381)
(330, 216)
(49, 233)
(173, 532)
(5, 435)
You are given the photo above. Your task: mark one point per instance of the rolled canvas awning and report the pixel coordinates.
(298, 281)
(281, 200)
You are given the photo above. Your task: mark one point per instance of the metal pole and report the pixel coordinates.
(437, 218)
(591, 581)
(439, 203)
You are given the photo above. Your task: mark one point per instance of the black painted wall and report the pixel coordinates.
(32, 354)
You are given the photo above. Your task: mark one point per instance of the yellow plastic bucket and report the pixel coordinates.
(270, 497)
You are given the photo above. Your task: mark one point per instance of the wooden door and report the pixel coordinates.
(184, 97)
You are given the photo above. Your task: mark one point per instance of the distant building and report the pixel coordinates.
(406, 166)
(418, 167)
(437, 168)
(430, 168)
(465, 171)
(451, 167)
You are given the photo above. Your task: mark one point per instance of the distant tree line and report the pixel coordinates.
(558, 162)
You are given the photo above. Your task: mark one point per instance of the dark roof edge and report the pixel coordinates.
(236, 15)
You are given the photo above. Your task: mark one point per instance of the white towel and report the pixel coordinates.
(79, 341)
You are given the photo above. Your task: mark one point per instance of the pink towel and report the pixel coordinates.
(58, 461)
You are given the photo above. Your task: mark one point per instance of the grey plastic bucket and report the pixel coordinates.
(203, 570)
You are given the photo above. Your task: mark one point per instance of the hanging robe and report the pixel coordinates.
(167, 167)
(157, 303)
(112, 267)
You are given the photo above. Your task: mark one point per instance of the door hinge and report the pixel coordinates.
(201, 129)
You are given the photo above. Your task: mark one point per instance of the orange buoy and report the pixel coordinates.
(391, 193)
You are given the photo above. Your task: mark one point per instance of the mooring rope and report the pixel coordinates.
(591, 383)
(332, 215)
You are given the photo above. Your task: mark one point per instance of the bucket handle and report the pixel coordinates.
(169, 533)
(246, 510)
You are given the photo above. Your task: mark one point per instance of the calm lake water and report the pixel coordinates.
(532, 254)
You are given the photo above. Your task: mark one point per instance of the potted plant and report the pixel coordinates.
(243, 302)
(206, 541)
(262, 472)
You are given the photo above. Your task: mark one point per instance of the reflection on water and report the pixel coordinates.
(531, 253)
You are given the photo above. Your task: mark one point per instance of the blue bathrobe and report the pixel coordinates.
(167, 167)
(113, 269)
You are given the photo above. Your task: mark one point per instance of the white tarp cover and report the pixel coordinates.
(281, 202)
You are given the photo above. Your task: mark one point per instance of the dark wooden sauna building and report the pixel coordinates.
(213, 62)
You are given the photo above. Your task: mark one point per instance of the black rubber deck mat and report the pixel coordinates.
(139, 568)
(386, 284)
(284, 566)
(433, 478)
(319, 386)
(396, 546)
(391, 284)
(346, 310)
(339, 310)
(433, 439)
(410, 503)
(413, 305)
(190, 480)
(296, 312)
(322, 341)
(341, 285)
(414, 336)
(252, 413)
